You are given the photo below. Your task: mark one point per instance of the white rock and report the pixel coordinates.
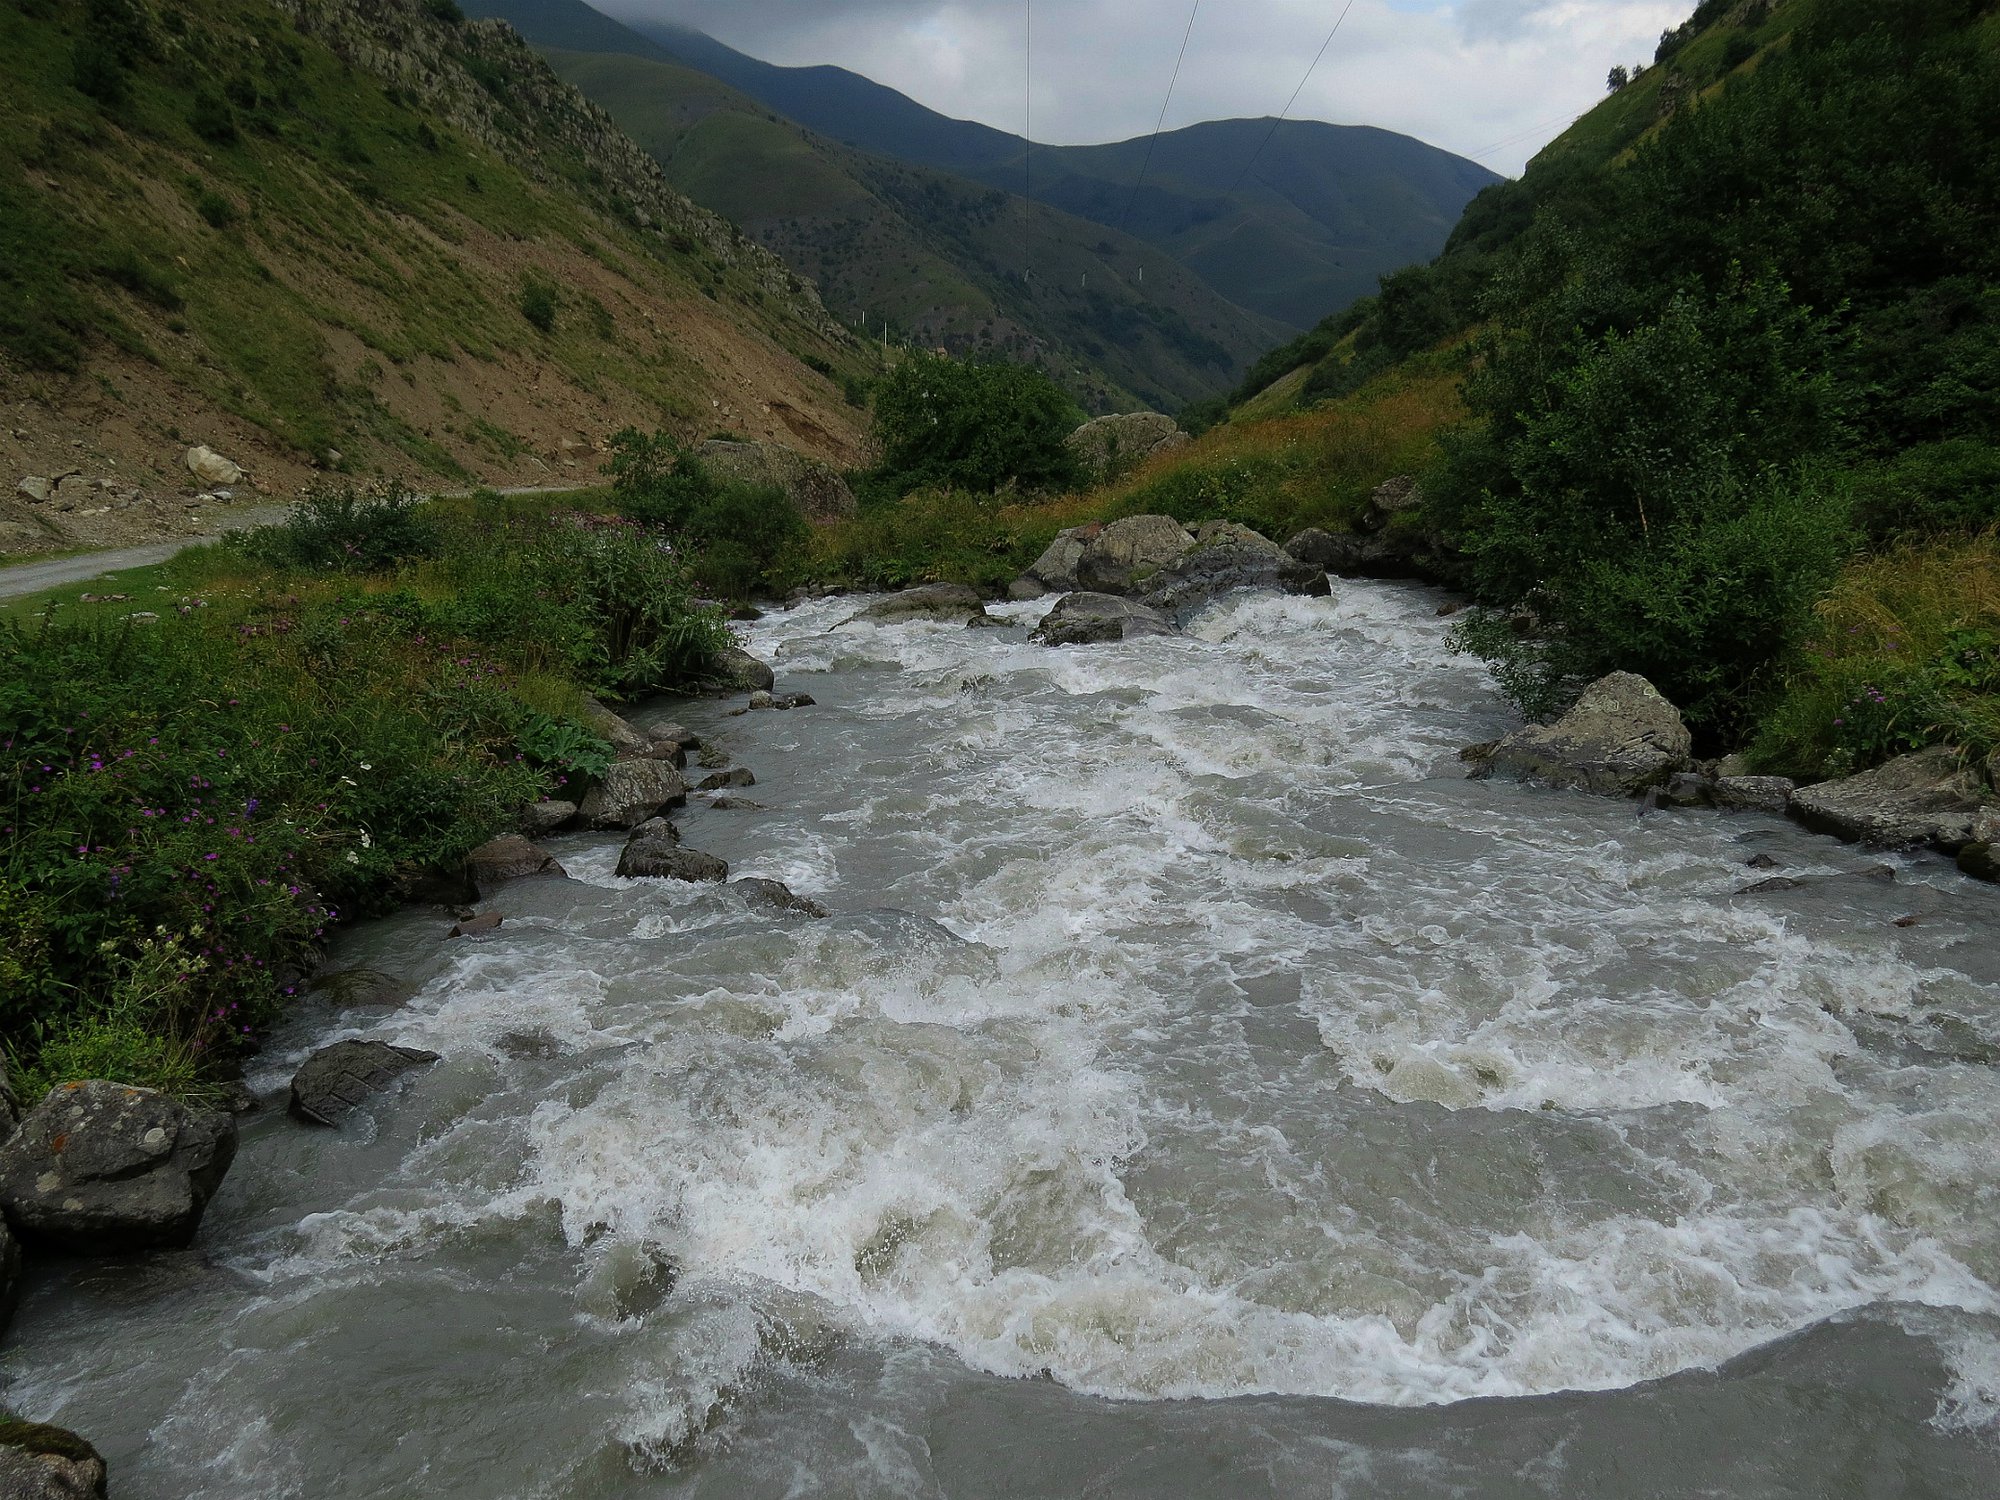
(36, 488)
(211, 467)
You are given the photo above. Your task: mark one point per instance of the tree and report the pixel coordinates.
(982, 427)
(1620, 77)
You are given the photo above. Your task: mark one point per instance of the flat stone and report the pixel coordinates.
(1930, 797)
(951, 603)
(334, 1080)
(1764, 794)
(511, 857)
(1094, 619)
(632, 792)
(103, 1169)
(1621, 739)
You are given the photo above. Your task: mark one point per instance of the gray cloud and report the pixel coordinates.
(1495, 79)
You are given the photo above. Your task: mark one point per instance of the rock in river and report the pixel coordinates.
(654, 852)
(1124, 556)
(952, 603)
(511, 857)
(1767, 794)
(39, 1462)
(1622, 738)
(632, 792)
(774, 895)
(736, 670)
(334, 1080)
(1092, 619)
(1223, 558)
(101, 1169)
(1930, 797)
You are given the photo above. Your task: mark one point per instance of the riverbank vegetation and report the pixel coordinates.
(306, 724)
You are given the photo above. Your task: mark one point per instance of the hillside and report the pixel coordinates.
(362, 234)
(1327, 211)
(940, 257)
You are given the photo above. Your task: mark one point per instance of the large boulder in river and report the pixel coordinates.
(1054, 572)
(951, 603)
(1119, 443)
(1622, 738)
(654, 852)
(1981, 858)
(1124, 556)
(1931, 797)
(633, 791)
(1093, 619)
(102, 1169)
(335, 1080)
(816, 488)
(40, 1462)
(736, 670)
(510, 857)
(1222, 559)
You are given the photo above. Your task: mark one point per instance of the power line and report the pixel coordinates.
(1147, 165)
(1275, 124)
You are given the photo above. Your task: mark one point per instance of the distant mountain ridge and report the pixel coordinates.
(1327, 211)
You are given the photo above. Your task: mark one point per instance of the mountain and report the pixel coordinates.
(1326, 211)
(940, 257)
(364, 228)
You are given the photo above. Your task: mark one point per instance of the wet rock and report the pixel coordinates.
(606, 725)
(211, 467)
(950, 603)
(10, 1279)
(736, 670)
(1622, 739)
(762, 702)
(1092, 619)
(1980, 861)
(104, 1169)
(736, 804)
(335, 1080)
(1054, 572)
(1025, 588)
(40, 1462)
(1687, 789)
(1119, 443)
(632, 792)
(1930, 797)
(1225, 558)
(773, 895)
(1765, 794)
(798, 700)
(1350, 555)
(541, 819)
(1124, 556)
(677, 734)
(654, 852)
(437, 886)
(1761, 862)
(363, 989)
(479, 926)
(724, 780)
(815, 487)
(511, 857)
(1986, 825)
(1773, 886)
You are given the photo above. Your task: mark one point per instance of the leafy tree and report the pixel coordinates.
(981, 427)
(737, 532)
(1620, 77)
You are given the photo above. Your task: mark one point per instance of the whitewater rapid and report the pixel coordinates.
(1188, 1028)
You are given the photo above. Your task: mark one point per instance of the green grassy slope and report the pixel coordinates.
(940, 258)
(324, 228)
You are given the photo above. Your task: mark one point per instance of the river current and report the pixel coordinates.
(1201, 1089)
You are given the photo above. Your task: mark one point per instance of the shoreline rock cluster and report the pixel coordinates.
(1624, 739)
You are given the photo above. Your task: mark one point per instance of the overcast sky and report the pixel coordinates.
(1490, 79)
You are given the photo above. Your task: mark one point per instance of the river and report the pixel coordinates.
(1201, 1089)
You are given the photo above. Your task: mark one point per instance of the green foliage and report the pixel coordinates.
(216, 211)
(446, 11)
(538, 302)
(736, 535)
(348, 531)
(212, 119)
(980, 427)
(561, 745)
(124, 268)
(150, 1033)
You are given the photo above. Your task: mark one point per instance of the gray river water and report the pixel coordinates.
(1200, 1090)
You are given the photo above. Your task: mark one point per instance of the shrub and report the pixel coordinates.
(348, 531)
(946, 425)
(538, 303)
(735, 534)
(216, 211)
(211, 118)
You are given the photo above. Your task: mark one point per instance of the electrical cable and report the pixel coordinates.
(1277, 123)
(1147, 165)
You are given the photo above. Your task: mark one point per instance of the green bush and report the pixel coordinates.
(216, 211)
(211, 118)
(941, 424)
(538, 303)
(348, 531)
(735, 535)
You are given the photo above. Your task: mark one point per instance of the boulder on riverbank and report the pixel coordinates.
(511, 857)
(948, 603)
(335, 1080)
(735, 670)
(1931, 797)
(541, 819)
(1124, 556)
(1054, 572)
(104, 1169)
(1224, 558)
(1093, 619)
(40, 1462)
(632, 792)
(1121, 442)
(1621, 739)
(1765, 794)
